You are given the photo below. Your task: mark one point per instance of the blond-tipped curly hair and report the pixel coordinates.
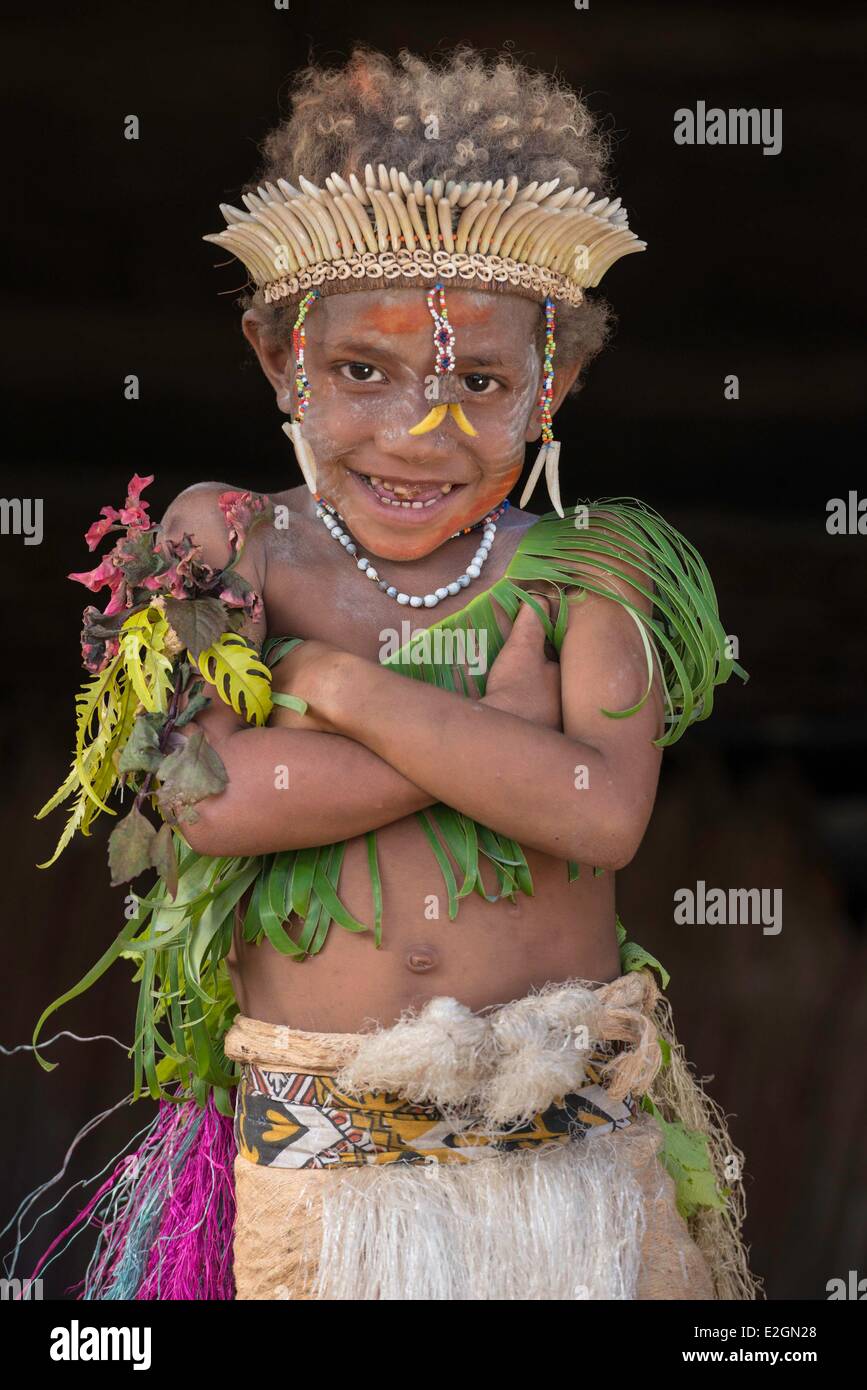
(459, 116)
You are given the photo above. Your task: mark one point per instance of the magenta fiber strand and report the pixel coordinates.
(166, 1214)
(192, 1255)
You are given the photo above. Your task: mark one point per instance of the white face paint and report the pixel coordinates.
(369, 358)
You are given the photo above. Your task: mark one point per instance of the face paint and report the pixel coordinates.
(412, 315)
(368, 393)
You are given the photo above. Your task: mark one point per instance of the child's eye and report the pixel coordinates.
(360, 371)
(479, 384)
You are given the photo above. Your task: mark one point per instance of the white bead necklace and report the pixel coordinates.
(331, 519)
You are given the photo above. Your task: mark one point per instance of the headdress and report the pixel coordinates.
(390, 231)
(538, 241)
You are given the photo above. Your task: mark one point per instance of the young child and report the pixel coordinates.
(473, 1091)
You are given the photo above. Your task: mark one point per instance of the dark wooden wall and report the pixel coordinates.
(752, 269)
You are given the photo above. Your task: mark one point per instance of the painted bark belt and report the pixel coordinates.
(289, 1119)
(566, 1062)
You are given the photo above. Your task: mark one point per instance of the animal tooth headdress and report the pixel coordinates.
(537, 241)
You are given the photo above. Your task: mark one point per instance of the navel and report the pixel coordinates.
(421, 959)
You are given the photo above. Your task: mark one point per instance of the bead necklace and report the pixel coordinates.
(331, 519)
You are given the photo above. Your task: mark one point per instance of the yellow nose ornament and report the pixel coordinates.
(436, 416)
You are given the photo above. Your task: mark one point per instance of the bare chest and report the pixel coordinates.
(316, 591)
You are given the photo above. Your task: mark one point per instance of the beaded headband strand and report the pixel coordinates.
(303, 451)
(299, 343)
(549, 454)
(444, 365)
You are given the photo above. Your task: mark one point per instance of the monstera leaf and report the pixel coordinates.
(239, 677)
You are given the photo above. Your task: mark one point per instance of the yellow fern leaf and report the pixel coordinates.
(239, 677)
(111, 736)
(93, 773)
(142, 639)
(63, 791)
(99, 701)
(105, 710)
(69, 829)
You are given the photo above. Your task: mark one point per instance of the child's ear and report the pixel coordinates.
(275, 358)
(564, 376)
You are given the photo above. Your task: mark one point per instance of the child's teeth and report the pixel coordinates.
(404, 494)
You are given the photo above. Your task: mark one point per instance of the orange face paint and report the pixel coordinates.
(415, 315)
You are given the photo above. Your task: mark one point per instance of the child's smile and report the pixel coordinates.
(403, 492)
(407, 496)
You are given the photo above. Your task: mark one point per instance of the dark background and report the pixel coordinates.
(751, 270)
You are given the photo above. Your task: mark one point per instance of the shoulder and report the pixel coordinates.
(635, 556)
(601, 548)
(196, 512)
(617, 554)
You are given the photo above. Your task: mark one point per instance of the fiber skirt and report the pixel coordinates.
(461, 1156)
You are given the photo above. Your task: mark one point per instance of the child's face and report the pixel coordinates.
(369, 357)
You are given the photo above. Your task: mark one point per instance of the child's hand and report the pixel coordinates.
(302, 672)
(522, 680)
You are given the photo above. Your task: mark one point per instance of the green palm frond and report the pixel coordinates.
(683, 629)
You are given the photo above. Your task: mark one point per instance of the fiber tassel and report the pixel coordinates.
(166, 1214)
(191, 1257)
(303, 453)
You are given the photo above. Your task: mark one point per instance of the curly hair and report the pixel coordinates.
(460, 116)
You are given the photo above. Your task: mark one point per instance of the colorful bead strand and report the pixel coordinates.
(548, 371)
(299, 340)
(444, 333)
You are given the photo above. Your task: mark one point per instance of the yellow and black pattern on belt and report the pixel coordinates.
(290, 1119)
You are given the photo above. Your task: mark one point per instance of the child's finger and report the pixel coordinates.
(527, 619)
